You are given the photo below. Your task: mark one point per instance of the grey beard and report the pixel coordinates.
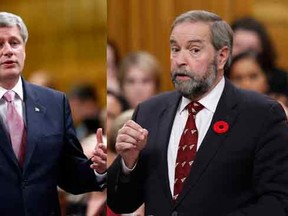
(195, 87)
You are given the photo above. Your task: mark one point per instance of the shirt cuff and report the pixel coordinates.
(125, 169)
(101, 178)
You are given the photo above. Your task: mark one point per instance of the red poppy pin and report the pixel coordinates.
(221, 127)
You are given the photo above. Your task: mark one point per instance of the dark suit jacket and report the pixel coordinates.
(241, 172)
(53, 157)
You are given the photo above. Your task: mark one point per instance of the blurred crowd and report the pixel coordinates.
(254, 61)
(136, 77)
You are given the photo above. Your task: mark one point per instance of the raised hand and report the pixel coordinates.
(99, 157)
(131, 139)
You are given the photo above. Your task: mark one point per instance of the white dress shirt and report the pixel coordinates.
(18, 101)
(203, 121)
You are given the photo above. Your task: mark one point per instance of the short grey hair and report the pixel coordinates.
(221, 32)
(10, 20)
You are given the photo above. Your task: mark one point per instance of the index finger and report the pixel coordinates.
(132, 124)
(99, 136)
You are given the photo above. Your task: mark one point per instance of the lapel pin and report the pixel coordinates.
(221, 127)
(37, 109)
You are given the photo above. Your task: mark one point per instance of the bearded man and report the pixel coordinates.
(208, 148)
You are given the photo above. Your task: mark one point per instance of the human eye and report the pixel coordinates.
(14, 43)
(174, 49)
(237, 78)
(147, 81)
(254, 76)
(195, 50)
(129, 81)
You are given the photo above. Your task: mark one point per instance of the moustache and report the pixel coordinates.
(181, 72)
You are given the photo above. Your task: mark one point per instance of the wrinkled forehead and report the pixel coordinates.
(10, 32)
(186, 21)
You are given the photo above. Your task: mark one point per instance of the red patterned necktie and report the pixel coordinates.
(15, 126)
(187, 148)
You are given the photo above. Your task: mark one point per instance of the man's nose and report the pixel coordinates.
(181, 58)
(246, 83)
(7, 49)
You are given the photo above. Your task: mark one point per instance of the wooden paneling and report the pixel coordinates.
(66, 38)
(274, 15)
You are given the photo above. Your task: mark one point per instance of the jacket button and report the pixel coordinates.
(174, 213)
(24, 184)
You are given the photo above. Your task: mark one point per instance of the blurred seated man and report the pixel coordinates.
(85, 110)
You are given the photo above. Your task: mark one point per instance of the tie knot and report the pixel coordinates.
(9, 96)
(194, 107)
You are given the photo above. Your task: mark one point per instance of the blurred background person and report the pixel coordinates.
(42, 78)
(116, 104)
(247, 72)
(112, 67)
(87, 118)
(117, 115)
(117, 124)
(250, 34)
(85, 110)
(83, 100)
(139, 76)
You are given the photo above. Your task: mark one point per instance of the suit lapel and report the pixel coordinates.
(164, 130)
(226, 111)
(34, 120)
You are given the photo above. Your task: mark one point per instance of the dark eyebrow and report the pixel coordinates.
(172, 41)
(15, 38)
(195, 41)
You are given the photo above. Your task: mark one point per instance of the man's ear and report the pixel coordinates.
(222, 57)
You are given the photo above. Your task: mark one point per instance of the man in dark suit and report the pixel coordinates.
(240, 138)
(42, 150)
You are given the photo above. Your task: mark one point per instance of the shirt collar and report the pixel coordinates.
(210, 100)
(18, 89)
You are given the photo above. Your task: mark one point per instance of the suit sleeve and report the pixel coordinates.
(270, 174)
(75, 174)
(125, 192)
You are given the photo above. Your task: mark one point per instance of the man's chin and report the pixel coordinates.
(190, 93)
(185, 92)
(9, 74)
